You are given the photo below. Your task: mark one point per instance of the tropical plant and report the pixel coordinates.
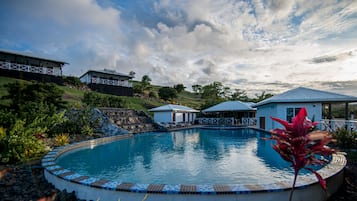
(300, 145)
(61, 139)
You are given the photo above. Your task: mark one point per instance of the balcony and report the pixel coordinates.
(30, 69)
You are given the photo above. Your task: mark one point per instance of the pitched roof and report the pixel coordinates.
(31, 56)
(172, 107)
(307, 95)
(230, 106)
(108, 72)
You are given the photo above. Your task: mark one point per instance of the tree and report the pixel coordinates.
(167, 93)
(27, 100)
(213, 90)
(143, 85)
(240, 95)
(226, 93)
(197, 88)
(262, 96)
(179, 88)
(132, 73)
(145, 82)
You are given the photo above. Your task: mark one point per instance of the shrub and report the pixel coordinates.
(79, 121)
(20, 144)
(94, 99)
(61, 139)
(167, 93)
(153, 94)
(345, 138)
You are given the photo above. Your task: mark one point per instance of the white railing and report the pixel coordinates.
(332, 125)
(227, 121)
(216, 121)
(249, 121)
(97, 80)
(31, 69)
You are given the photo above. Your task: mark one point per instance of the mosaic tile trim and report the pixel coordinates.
(335, 166)
(141, 188)
(89, 181)
(112, 185)
(72, 176)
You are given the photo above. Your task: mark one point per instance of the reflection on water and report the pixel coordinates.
(195, 156)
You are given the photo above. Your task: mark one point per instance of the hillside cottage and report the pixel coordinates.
(109, 82)
(28, 67)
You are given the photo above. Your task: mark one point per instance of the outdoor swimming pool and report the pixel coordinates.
(194, 164)
(194, 156)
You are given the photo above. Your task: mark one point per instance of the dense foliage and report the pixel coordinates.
(36, 111)
(94, 99)
(33, 112)
(79, 121)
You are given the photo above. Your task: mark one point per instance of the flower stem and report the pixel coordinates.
(293, 188)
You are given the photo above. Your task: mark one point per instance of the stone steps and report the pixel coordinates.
(130, 120)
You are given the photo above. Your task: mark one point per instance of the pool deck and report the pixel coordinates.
(95, 188)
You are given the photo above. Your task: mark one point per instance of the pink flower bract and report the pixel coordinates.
(300, 145)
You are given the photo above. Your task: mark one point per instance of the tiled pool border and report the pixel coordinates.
(335, 166)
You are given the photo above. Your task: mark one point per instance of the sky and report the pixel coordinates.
(251, 45)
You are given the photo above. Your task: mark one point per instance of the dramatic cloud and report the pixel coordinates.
(254, 45)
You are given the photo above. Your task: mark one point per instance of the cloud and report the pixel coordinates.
(252, 45)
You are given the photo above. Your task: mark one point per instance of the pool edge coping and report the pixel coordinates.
(334, 167)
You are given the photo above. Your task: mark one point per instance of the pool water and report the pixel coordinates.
(194, 156)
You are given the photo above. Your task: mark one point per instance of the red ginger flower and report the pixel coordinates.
(298, 144)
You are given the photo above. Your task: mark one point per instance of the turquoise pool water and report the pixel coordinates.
(194, 156)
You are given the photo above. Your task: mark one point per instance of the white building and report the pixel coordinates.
(108, 81)
(231, 113)
(286, 105)
(174, 114)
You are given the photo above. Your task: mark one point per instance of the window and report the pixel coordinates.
(291, 112)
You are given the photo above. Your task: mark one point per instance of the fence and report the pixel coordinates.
(332, 125)
(227, 121)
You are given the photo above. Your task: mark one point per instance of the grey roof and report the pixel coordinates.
(307, 95)
(108, 72)
(31, 56)
(230, 106)
(172, 107)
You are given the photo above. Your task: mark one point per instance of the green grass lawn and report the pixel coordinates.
(72, 95)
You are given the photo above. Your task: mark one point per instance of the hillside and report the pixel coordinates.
(74, 96)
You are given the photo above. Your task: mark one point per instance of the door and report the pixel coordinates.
(262, 122)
